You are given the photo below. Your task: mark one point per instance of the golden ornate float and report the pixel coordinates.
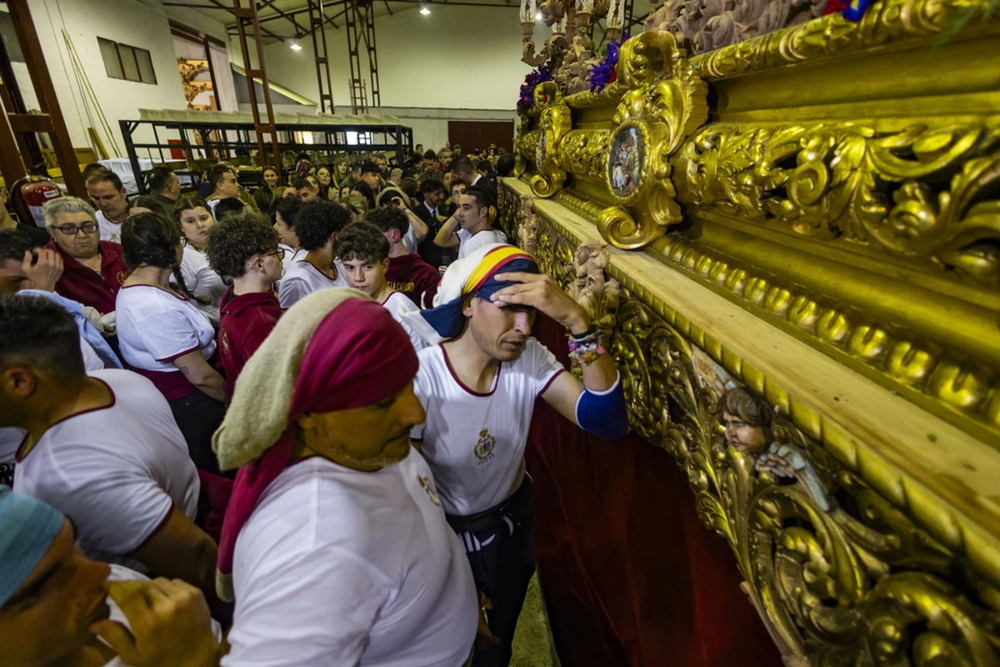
(804, 227)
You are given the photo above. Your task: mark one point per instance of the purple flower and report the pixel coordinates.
(526, 98)
(606, 70)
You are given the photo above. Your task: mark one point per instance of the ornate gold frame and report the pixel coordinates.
(831, 190)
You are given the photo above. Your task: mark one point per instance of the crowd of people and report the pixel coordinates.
(284, 427)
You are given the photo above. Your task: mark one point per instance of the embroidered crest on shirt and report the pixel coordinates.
(484, 448)
(224, 339)
(427, 484)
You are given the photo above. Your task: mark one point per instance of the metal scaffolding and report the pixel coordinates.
(246, 16)
(200, 143)
(316, 29)
(359, 21)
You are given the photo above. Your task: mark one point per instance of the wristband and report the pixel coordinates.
(586, 347)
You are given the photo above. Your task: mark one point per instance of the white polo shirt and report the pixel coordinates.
(475, 442)
(290, 256)
(201, 280)
(110, 231)
(397, 304)
(117, 472)
(469, 243)
(341, 567)
(155, 327)
(302, 279)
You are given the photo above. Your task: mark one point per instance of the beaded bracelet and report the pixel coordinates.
(585, 348)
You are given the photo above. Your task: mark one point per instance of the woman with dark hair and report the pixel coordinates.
(265, 194)
(165, 337)
(194, 218)
(325, 180)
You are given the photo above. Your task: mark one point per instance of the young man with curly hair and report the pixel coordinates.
(316, 226)
(245, 247)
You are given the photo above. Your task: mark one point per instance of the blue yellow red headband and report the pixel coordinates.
(474, 274)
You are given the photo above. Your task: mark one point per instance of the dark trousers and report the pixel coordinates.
(198, 415)
(500, 546)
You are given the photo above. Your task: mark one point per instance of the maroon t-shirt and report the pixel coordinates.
(415, 278)
(83, 284)
(244, 322)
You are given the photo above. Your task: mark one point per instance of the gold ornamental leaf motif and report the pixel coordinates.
(828, 547)
(928, 193)
(887, 21)
(554, 122)
(663, 103)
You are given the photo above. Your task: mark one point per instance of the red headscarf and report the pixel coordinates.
(358, 355)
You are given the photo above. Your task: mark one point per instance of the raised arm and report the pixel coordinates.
(597, 404)
(447, 236)
(420, 228)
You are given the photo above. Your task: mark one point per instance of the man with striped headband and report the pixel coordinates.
(334, 543)
(478, 388)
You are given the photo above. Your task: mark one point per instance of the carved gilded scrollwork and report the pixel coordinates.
(864, 224)
(841, 577)
(663, 103)
(923, 192)
(553, 123)
(887, 21)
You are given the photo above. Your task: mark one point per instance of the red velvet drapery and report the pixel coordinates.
(630, 574)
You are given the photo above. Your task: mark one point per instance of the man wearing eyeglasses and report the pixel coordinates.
(93, 270)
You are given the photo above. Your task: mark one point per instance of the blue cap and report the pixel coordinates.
(27, 529)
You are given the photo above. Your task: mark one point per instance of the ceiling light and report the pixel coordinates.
(295, 46)
(538, 16)
(425, 11)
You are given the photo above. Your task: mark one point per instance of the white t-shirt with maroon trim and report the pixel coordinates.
(475, 442)
(397, 304)
(202, 281)
(302, 279)
(290, 256)
(116, 472)
(341, 567)
(155, 327)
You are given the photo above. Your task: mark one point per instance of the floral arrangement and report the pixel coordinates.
(606, 71)
(526, 100)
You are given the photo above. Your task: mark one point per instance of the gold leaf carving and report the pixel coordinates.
(893, 192)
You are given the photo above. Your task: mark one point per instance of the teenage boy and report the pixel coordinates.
(408, 272)
(246, 248)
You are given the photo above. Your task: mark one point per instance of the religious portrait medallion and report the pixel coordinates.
(625, 161)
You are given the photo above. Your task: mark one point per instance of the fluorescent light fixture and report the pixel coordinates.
(295, 46)
(538, 16)
(424, 10)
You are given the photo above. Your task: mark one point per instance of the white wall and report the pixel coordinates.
(456, 58)
(131, 22)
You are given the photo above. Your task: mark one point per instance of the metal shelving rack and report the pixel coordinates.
(239, 142)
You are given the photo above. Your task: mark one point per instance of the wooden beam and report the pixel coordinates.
(45, 92)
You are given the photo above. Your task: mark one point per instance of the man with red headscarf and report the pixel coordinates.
(335, 544)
